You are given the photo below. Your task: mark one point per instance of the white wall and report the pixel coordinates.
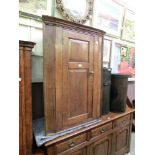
(31, 30)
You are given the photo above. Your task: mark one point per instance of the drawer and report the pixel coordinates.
(101, 130)
(122, 121)
(70, 143)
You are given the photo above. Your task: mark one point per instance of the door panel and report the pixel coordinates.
(122, 140)
(80, 152)
(78, 51)
(77, 78)
(80, 99)
(101, 147)
(71, 152)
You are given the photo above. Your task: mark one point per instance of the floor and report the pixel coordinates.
(132, 146)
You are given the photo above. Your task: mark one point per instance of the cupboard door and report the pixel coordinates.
(79, 152)
(78, 77)
(121, 138)
(82, 151)
(101, 147)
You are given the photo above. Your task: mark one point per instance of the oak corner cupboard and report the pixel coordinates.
(72, 73)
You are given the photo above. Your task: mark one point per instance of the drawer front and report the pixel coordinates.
(101, 130)
(70, 143)
(122, 121)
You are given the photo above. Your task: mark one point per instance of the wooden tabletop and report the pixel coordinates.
(104, 119)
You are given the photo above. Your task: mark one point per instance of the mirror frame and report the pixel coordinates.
(67, 15)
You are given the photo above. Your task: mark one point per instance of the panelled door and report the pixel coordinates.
(78, 75)
(101, 147)
(78, 152)
(121, 140)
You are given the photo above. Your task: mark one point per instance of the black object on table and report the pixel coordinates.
(119, 85)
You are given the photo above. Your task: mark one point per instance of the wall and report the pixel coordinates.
(31, 30)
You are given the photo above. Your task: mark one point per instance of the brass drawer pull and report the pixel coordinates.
(71, 144)
(102, 130)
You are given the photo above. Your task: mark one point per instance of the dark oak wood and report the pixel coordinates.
(80, 152)
(101, 147)
(121, 140)
(72, 73)
(111, 137)
(25, 100)
(77, 151)
(122, 121)
(110, 117)
(101, 130)
(77, 79)
(70, 143)
(48, 20)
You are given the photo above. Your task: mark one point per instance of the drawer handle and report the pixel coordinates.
(71, 144)
(102, 130)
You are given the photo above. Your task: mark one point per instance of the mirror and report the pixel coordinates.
(76, 11)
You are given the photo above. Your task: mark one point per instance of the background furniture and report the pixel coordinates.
(25, 100)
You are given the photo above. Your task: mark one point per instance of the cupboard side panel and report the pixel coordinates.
(59, 77)
(97, 76)
(49, 70)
